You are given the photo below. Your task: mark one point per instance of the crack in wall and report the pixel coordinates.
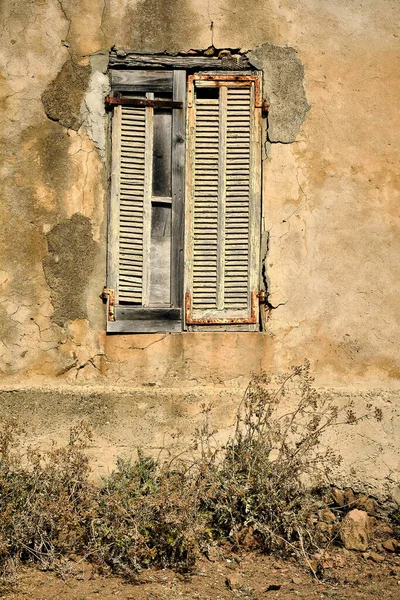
(102, 19)
(148, 345)
(65, 42)
(211, 24)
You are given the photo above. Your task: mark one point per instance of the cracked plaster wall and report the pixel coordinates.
(330, 191)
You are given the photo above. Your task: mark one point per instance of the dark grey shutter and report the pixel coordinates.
(224, 202)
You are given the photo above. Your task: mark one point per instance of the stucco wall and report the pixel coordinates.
(331, 200)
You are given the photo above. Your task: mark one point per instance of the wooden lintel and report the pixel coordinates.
(142, 102)
(226, 63)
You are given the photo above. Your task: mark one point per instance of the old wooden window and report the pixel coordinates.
(145, 242)
(184, 260)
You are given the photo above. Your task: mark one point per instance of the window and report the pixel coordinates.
(184, 219)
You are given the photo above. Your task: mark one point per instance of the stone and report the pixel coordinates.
(233, 581)
(349, 497)
(365, 503)
(354, 530)
(377, 558)
(382, 530)
(213, 553)
(338, 496)
(390, 545)
(324, 531)
(327, 516)
(248, 541)
(296, 580)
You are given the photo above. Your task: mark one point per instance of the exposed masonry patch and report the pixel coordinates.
(283, 87)
(68, 266)
(63, 96)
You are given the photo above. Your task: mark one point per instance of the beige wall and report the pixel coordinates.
(330, 205)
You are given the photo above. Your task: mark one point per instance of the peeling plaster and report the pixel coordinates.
(63, 96)
(68, 266)
(93, 109)
(283, 87)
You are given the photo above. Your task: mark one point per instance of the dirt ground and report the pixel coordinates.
(224, 576)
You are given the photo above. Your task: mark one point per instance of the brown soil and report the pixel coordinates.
(346, 575)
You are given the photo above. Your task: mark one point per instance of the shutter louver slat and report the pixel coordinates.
(131, 204)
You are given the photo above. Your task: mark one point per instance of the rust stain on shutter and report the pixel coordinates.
(218, 321)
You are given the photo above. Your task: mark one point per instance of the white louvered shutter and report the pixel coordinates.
(224, 202)
(131, 205)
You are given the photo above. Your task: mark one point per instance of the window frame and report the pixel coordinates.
(177, 317)
(130, 319)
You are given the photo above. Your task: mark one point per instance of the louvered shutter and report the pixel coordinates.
(133, 201)
(137, 251)
(223, 209)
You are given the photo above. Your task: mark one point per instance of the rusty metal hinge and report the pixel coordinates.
(262, 296)
(108, 295)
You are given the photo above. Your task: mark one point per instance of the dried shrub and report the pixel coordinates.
(148, 514)
(264, 480)
(45, 500)
(258, 489)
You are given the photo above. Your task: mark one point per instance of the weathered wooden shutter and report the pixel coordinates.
(130, 125)
(224, 202)
(139, 302)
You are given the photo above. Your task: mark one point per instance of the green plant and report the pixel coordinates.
(395, 520)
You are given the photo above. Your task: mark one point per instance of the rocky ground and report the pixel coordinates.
(225, 575)
(361, 559)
